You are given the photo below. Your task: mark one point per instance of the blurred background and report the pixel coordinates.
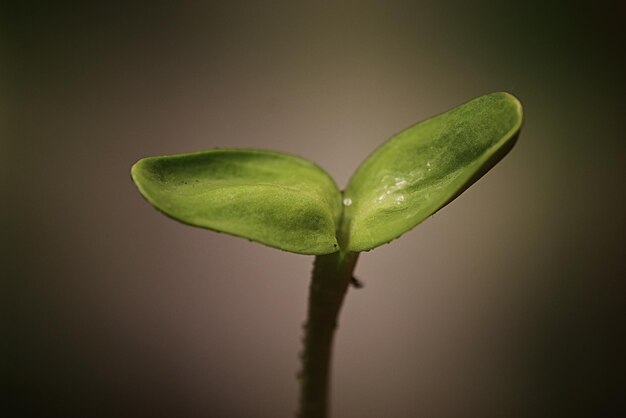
(507, 303)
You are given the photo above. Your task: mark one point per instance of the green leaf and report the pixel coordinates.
(276, 199)
(423, 168)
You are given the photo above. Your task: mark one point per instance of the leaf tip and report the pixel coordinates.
(516, 103)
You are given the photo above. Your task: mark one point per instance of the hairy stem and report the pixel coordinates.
(331, 277)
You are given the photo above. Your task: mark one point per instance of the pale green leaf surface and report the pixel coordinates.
(275, 199)
(423, 168)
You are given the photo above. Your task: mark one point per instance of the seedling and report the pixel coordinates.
(289, 203)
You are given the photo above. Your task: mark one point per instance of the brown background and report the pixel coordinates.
(506, 303)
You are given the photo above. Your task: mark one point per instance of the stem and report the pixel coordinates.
(331, 278)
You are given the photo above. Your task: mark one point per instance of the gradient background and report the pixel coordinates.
(507, 303)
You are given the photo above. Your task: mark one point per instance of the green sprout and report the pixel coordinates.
(289, 203)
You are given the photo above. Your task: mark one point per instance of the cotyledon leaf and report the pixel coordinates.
(276, 199)
(423, 168)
